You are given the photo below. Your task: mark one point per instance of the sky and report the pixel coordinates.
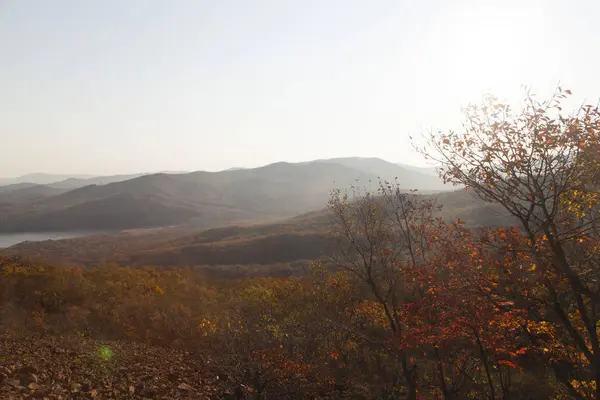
(112, 86)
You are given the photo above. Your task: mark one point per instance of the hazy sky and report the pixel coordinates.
(114, 86)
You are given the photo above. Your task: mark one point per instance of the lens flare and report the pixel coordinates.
(105, 353)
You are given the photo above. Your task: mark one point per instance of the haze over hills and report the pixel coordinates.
(431, 171)
(297, 239)
(16, 186)
(408, 177)
(41, 178)
(163, 219)
(72, 181)
(201, 199)
(23, 192)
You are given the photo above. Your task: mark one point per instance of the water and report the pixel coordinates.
(10, 239)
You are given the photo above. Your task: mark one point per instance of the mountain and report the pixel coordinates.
(234, 169)
(303, 237)
(16, 186)
(74, 183)
(407, 177)
(199, 199)
(431, 171)
(41, 179)
(25, 192)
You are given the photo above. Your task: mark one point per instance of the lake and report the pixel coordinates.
(10, 239)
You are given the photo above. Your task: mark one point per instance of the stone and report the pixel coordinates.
(184, 387)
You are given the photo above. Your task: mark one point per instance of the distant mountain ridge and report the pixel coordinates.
(203, 199)
(408, 177)
(42, 179)
(73, 181)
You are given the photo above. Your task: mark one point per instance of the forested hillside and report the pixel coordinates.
(405, 303)
(199, 199)
(301, 238)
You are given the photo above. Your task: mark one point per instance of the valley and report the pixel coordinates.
(260, 220)
(310, 200)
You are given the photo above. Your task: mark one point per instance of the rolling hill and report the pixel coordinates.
(199, 199)
(16, 186)
(40, 179)
(301, 238)
(68, 182)
(74, 183)
(431, 171)
(408, 177)
(22, 192)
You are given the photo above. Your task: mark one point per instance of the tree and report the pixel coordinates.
(382, 241)
(542, 167)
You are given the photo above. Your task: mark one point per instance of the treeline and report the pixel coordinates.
(405, 305)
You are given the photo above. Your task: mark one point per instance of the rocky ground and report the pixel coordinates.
(76, 368)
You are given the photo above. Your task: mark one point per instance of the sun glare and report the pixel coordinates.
(479, 47)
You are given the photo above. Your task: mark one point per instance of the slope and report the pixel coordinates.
(41, 178)
(202, 199)
(21, 192)
(407, 178)
(304, 237)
